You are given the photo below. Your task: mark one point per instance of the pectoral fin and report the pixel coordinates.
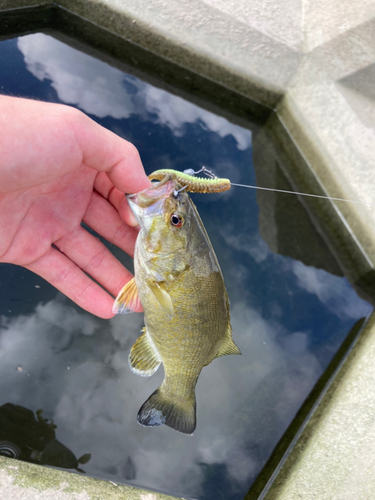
(162, 296)
(228, 346)
(144, 360)
(127, 300)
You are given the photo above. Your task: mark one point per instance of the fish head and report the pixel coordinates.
(163, 213)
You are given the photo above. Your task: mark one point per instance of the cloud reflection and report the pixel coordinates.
(75, 366)
(252, 244)
(334, 292)
(101, 90)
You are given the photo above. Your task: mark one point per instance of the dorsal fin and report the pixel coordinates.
(144, 360)
(127, 300)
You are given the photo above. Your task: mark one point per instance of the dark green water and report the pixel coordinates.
(289, 318)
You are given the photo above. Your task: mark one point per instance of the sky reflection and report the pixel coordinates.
(79, 79)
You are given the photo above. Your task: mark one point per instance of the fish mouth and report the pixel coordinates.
(150, 202)
(151, 195)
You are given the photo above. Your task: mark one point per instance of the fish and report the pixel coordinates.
(179, 283)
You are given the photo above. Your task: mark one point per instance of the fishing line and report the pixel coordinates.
(211, 175)
(302, 194)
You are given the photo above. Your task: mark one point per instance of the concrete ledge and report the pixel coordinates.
(202, 38)
(334, 457)
(23, 480)
(273, 147)
(336, 144)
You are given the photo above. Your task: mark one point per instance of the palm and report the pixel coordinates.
(51, 215)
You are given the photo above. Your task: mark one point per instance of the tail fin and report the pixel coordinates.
(163, 408)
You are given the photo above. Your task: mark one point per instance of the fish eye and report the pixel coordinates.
(177, 220)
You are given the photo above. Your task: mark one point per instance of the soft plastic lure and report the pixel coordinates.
(216, 185)
(194, 184)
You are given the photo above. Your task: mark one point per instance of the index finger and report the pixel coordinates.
(106, 152)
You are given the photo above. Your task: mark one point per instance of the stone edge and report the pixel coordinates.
(22, 478)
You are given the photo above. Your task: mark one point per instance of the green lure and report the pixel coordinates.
(193, 184)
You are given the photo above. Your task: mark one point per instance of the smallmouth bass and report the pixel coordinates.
(178, 281)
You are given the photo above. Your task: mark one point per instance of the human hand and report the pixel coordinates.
(59, 168)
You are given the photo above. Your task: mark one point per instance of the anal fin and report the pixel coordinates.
(228, 346)
(144, 360)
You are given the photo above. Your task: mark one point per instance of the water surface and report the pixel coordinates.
(288, 317)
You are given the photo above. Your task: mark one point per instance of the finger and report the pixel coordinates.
(90, 255)
(105, 151)
(63, 274)
(105, 187)
(104, 219)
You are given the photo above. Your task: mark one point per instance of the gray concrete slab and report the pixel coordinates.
(334, 458)
(246, 57)
(337, 145)
(324, 21)
(203, 37)
(24, 481)
(336, 141)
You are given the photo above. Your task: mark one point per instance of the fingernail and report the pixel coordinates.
(132, 221)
